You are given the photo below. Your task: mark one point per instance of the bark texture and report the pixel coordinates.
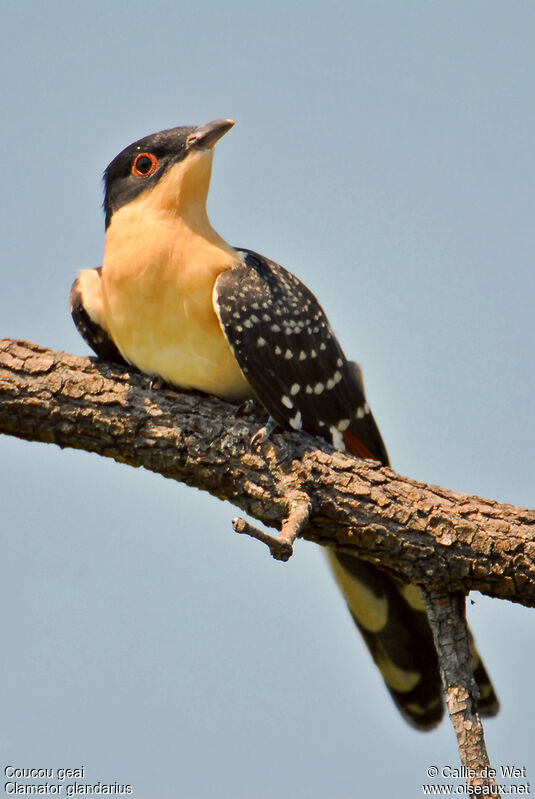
(447, 543)
(424, 534)
(447, 615)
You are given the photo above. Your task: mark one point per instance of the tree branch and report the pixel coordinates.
(447, 617)
(447, 543)
(423, 534)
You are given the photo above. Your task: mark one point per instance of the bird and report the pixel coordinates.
(176, 301)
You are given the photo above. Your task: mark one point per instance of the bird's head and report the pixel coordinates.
(174, 165)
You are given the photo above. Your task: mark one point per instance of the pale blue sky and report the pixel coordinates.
(383, 151)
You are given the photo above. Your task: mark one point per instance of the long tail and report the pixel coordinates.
(393, 622)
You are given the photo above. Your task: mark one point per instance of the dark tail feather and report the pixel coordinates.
(393, 622)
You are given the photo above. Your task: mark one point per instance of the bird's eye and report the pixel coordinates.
(144, 165)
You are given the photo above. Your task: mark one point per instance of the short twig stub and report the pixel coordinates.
(280, 546)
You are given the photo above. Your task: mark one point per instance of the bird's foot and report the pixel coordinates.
(246, 408)
(155, 383)
(263, 433)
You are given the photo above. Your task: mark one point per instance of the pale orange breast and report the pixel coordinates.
(157, 287)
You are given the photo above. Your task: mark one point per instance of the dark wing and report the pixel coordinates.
(88, 315)
(288, 352)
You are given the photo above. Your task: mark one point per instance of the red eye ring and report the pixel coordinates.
(145, 165)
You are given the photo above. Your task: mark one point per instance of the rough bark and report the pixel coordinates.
(447, 543)
(424, 534)
(446, 613)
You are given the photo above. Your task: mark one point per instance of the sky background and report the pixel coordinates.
(384, 152)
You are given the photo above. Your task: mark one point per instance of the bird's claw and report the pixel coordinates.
(155, 383)
(263, 433)
(246, 408)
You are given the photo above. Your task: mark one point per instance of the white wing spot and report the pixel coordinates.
(302, 355)
(295, 421)
(254, 318)
(278, 350)
(309, 390)
(361, 413)
(343, 424)
(339, 362)
(337, 437)
(313, 354)
(275, 328)
(295, 389)
(261, 342)
(337, 377)
(288, 354)
(287, 401)
(318, 388)
(323, 346)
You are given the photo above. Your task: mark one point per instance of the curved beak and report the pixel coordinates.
(205, 136)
